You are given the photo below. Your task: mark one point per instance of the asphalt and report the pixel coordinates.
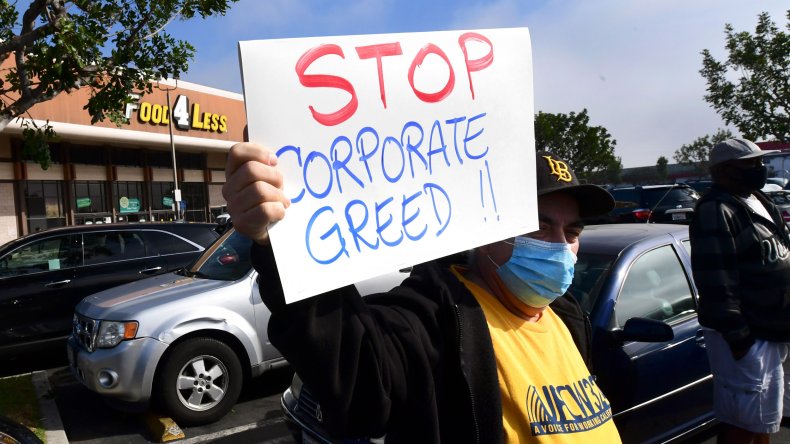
(68, 406)
(246, 424)
(53, 426)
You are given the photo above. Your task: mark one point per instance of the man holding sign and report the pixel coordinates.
(460, 353)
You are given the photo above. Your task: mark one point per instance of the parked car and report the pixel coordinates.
(782, 201)
(43, 275)
(184, 341)
(700, 185)
(781, 181)
(649, 355)
(651, 204)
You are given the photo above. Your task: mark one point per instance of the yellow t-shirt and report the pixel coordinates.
(548, 395)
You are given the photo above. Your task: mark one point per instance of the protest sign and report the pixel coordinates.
(395, 148)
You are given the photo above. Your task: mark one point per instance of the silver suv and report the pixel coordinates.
(184, 340)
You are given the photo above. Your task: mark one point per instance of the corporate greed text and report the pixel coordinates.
(410, 163)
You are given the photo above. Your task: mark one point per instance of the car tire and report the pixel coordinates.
(199, 382)
(12, 432)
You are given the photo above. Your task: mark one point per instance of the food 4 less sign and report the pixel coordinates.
(185, 117)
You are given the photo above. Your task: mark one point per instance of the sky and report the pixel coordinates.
(634, 65)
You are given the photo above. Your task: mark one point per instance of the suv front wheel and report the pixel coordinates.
(199, 382)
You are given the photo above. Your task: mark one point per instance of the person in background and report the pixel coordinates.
(740, 259)
(463, 353)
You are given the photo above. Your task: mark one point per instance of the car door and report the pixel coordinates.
(38, 289)
(663, 386)
(113, 258)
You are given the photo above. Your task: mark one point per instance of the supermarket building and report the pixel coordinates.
(102, 173)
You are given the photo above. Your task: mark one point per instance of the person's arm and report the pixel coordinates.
(578, 324)
(362, 360)
(355, 359)
(714, 263)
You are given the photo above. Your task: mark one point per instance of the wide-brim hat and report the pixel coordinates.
(555, 174)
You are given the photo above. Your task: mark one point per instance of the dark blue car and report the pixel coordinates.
(634, 280)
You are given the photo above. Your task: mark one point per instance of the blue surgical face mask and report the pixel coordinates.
(538, 272)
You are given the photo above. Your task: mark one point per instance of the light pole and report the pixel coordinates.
(176, 191)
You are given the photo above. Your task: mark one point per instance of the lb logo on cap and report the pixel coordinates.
(559, 168)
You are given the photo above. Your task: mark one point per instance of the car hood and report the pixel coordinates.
(146, 293)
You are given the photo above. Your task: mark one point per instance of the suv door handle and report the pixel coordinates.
(149, 270)
(58, 283)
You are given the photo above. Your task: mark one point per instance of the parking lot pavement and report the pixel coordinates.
(257, 417)
(709, 437)
(87, 419)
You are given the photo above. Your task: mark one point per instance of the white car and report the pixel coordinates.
(184, 340)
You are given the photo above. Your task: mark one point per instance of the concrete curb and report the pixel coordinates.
(53, 425)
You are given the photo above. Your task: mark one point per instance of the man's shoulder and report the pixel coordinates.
(431, 280)
(713, 202)
(717, 195)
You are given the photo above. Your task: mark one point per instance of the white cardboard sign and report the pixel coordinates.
(396, 148)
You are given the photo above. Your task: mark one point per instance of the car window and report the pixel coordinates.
(687, 245)
(626, 195)
(227, 261)
(588, 275)
(780, 198)
(668, 196)
(655, 287)
(101, 247)
(133, 244)
(160, 243)
(53, 253)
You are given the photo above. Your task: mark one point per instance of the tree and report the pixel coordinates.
(759, 103)
(696, 153)
(113, 47)
(589, 150)
(661, 168)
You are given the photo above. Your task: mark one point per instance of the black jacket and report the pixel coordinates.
(415, 363)
(741, 266)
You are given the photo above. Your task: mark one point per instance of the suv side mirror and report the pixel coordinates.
(643, 330)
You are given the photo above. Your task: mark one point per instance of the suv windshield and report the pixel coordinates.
(227, 260)
(588, 275)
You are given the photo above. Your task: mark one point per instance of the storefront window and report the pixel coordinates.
(191, 161)
(160, 159)
(194, 197)
(128, 157)
(162, 201)
(90, 202)
(128, 201)
(44, 201)
(88, 155)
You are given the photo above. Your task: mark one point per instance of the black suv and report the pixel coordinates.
(651, 203)
(44, 275)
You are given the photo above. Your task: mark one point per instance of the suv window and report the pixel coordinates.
(160, 243)
(656, 287)
(626, 195)
(53, 253)
(133, 245)
(655, 196)
(228, 261)
(101, 247)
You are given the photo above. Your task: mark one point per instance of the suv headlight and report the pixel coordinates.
(112, 333)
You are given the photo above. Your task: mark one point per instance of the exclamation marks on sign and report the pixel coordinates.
(491, 192)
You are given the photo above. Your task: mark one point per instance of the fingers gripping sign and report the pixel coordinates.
(254, 190)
